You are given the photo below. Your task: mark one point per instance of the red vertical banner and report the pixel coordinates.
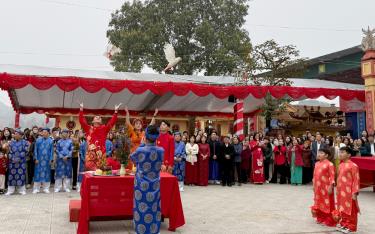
(238, 124)
(369, 112)
(17, 120)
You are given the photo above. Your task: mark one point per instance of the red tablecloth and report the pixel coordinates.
(113, 196)
(366, 170)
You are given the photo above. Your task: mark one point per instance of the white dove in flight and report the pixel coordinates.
(170, 55)
(111, 50)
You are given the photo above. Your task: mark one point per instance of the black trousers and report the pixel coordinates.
(237, 167)
(30, 171)
(245, 176)
(307, 175)
(279, 170)
(6, 179)
(75, 170)
(52, 176)
(266, 169)
(287, 173)
(226, 172)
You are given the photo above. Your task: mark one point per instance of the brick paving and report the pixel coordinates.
(215, 209)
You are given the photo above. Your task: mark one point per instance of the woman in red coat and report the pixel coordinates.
(280, 162)
(203, 159)
(296, 162)
(257, 168)
(245, 161)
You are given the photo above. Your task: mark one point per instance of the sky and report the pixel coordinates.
(72, 33)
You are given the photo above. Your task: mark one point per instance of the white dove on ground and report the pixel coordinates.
(111, 50)
(170, 55)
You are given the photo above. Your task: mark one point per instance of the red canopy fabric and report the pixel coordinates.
(68, 84)
(366, 167)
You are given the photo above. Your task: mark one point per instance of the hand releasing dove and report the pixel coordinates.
(170, 55)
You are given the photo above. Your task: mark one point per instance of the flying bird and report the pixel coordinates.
(111, 50)
(170, 55)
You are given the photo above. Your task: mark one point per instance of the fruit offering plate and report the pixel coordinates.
(105, 173)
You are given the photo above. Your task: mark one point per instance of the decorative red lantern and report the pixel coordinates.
(71, 124)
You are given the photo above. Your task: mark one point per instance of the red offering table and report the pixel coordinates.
(366, 170)
(112, 196)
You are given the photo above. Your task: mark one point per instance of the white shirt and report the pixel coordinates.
(317, 147)
(191, 153)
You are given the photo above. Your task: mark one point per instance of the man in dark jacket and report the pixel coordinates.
(316, 146)
(226, 161)
(267, 153)
(215, 151)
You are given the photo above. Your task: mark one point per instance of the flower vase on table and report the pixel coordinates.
(122, 151)
(122, 170)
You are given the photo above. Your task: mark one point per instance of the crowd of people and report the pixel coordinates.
(39, 157)
(199, 159)
(227, 160)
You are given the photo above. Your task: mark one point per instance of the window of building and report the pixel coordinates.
(322, 68)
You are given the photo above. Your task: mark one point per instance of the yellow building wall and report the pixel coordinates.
(182, 122)
(121, 121)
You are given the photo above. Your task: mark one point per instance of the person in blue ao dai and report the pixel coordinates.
(18, 149)
(148, 159)
(179, 160)
(64, 150)
(43, 157)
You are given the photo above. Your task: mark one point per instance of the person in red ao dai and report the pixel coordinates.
(347, 192)
(203, 159)
(257, 169)
(166, 141)
(323, 184)
(192, 150)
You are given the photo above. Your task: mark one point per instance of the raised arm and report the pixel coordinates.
(153, 120)
(113, 120)
(82, 119)
(127, 117)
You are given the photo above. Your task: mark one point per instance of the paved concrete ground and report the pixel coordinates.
(215, 209)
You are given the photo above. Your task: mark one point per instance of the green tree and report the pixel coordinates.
(208, 35)
(273, 65)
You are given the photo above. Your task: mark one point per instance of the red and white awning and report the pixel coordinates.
(53, 90)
